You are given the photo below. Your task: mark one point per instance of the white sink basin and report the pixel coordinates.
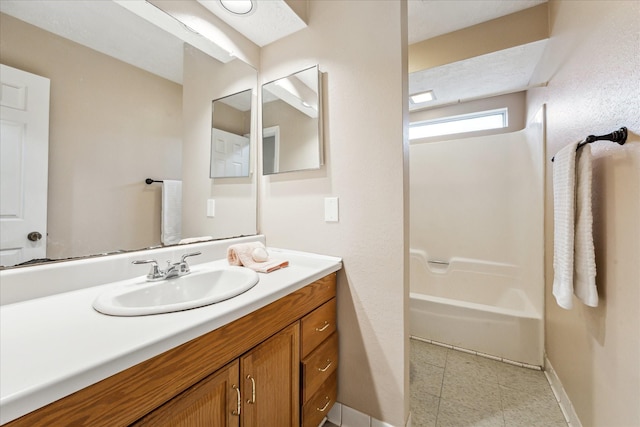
(197, 289)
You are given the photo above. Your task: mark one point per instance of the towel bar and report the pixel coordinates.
(619, 136)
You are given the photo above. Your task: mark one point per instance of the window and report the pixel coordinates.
(483, 120)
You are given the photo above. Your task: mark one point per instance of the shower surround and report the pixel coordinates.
(476, 243)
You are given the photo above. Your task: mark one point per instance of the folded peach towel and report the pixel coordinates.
(254, 256)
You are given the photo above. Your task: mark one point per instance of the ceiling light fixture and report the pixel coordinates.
(419, 98)
(238, 7)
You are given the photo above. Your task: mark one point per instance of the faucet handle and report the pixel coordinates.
(184, 267)
(154, 272)
(185, 256)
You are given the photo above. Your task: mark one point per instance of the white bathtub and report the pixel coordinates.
(475, 305)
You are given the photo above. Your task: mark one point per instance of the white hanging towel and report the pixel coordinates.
(584, 275)
(564, 182)
(573, 251)
(171, 223)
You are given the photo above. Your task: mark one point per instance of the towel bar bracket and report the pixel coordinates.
(619, 136)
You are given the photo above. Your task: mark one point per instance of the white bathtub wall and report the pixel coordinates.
(480, 198)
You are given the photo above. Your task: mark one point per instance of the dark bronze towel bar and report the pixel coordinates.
(619, 136)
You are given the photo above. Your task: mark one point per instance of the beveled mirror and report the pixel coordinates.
(292, 123)
(231, 135)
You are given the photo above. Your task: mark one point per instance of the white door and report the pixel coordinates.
(229, 154)
(24, 154)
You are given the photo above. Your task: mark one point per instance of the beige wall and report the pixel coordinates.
(111, 126)
(206, 79)
(516, 29)
(298, 136)
(593, 67)
(231, 120)
(361, 48)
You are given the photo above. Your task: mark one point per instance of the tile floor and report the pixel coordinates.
(450, 388)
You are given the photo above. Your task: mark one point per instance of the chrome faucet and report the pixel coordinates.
(173, 270)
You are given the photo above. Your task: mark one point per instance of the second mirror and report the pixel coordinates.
(231, 136)
(292, 123)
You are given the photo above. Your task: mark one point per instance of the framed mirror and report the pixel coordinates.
(128, 101)
(292, 123)
(231, 135)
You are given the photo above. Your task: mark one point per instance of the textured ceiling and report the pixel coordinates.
(496, 73)
(500, 72)
(106, 26)
(431, 18)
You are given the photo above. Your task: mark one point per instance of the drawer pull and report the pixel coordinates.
(237, 411)
(324, 408)
(326, 367)
(253, 390)
(326, 325)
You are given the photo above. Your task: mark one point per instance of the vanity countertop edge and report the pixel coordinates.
(53, 346)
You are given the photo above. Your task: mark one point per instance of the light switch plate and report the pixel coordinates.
(331, 209)
(211, 208)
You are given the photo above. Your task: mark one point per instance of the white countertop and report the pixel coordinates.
(53, 346)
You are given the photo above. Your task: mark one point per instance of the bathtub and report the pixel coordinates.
(475, 305)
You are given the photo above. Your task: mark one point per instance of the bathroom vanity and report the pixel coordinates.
(266, 357)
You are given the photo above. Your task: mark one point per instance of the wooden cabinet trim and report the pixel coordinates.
(129, 395)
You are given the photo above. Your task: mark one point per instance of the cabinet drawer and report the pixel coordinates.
(318, 325)
(318, 366)
(320, 403)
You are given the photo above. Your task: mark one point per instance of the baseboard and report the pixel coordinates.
(561, 396)
(344, 416)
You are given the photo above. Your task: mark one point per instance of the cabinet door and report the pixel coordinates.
(270, 377)
(211, 402)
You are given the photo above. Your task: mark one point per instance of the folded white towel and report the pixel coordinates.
(585, 260)
(254, 256)
(564, 181)
(171, 224)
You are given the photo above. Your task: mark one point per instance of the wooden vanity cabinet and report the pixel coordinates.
(197, 383)
(258, 389)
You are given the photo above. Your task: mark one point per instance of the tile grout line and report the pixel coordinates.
(476, 353)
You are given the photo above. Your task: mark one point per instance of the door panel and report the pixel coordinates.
(24, 152)
(211, 402)
(270, 376)
(229, 154)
